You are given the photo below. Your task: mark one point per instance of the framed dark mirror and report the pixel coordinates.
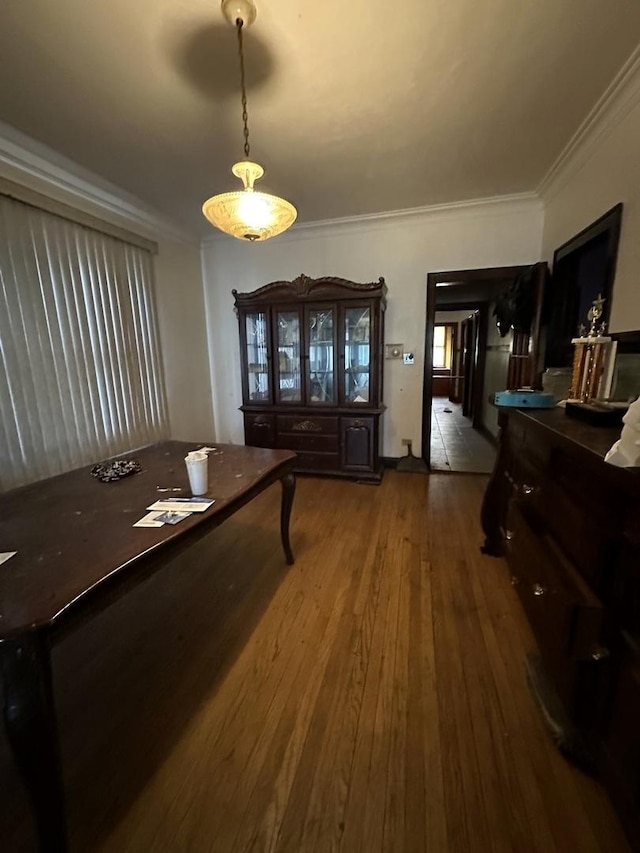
(625, 385)
(583, 268)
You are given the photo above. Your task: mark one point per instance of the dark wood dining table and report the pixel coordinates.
(77, 550)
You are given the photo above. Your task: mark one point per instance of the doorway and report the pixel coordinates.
(459, 429)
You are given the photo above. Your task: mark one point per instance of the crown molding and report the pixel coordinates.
(29, 162)
(618, 100)
(476, 207)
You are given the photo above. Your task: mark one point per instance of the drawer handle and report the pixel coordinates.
(599, 653)
(307, 426)
(508, 535)
(538, 589)
(527, 489)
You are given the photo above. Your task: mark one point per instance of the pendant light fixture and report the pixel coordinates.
(247, 214)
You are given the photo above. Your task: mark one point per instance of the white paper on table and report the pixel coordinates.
(181, 505)
(149, 520)
(6, 555)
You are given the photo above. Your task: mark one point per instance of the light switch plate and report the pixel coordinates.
(393, 350)
(408, 358)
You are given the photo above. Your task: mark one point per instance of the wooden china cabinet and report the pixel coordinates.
(311, 359)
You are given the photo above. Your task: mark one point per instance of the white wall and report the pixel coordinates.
(451, 316)
(180, 301)
(403, 248)
(184, 341)
(495, 370)
(601, 169)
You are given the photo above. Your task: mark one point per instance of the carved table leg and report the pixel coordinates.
(29, 716)
(288, 491)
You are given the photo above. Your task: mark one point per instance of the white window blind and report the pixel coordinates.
(80, 372)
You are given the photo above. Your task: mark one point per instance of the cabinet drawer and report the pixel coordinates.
(584, 536)
(318, 462)
(565, 615)
(305, 425)
(312, 442)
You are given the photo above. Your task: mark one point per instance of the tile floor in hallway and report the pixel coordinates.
(455, 444)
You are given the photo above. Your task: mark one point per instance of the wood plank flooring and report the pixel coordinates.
(370, 698)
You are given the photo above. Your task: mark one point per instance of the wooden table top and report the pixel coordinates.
(74, 536)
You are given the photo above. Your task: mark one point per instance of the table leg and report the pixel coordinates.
(30, 721)
(288, 491)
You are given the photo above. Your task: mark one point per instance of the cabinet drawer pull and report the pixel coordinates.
(538, 589)
(599, 653)
(306, 426)
(508, 535)
(527, 489)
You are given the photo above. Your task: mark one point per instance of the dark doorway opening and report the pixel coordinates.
(474, 290)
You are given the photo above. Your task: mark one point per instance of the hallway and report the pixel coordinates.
(455, 445)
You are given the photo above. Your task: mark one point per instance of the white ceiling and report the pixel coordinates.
(354, 107)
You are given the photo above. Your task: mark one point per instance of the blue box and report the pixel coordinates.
(525, 399)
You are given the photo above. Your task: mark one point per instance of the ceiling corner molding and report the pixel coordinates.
(478, 206)
(617, 101)
(504, 204)
(28, 162)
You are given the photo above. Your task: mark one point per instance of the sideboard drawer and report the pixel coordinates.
(305, 425)
(308, 441)
(318, 462)
(565, 615)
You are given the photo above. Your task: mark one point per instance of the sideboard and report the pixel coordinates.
(568, 524)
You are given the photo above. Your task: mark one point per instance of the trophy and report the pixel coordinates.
(591, 356)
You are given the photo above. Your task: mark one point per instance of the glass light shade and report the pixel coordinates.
(247, 214)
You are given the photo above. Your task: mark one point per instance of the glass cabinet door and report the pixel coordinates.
(257, 357)
(357, 354)
(320, 370)
(288, 373)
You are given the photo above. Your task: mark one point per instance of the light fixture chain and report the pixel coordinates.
(245, 115)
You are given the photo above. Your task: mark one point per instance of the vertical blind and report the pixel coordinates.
(80, 372)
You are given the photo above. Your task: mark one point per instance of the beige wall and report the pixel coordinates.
(403, 249)
(599, 174)
(184, 342)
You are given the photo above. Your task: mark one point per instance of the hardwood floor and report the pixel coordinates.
(370, 698)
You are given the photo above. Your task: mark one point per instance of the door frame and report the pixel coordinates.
(488, 274)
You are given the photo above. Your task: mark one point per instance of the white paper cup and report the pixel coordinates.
(197, 463)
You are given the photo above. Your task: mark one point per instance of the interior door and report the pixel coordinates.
(467, 365)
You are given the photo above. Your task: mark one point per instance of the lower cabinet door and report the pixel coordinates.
(359, 442)
(259, 430)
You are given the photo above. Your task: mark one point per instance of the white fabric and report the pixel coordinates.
(80, 373)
